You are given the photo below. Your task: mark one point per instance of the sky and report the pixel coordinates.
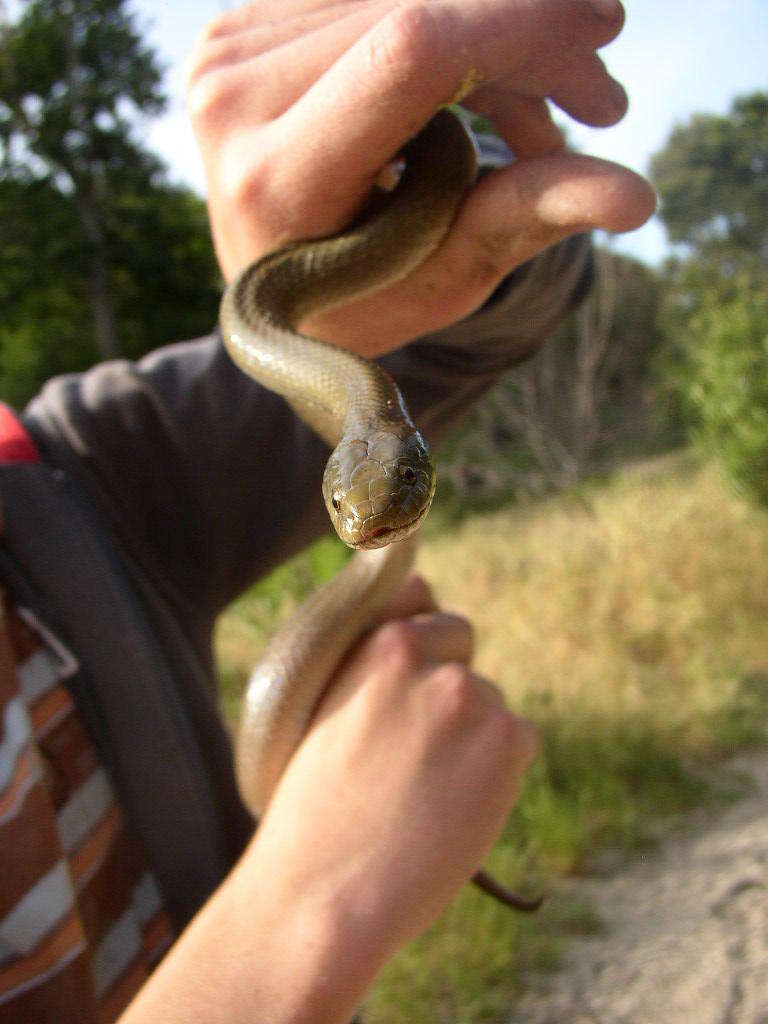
(674, 57)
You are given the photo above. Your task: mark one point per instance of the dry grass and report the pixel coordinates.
(631, 621)
(646, 597)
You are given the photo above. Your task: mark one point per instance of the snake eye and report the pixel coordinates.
(408, 474)
(336, 500)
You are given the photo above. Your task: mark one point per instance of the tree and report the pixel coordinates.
(71, 73)
(725, 384)
(46, 326)
(101, 255)
(163, 279)
(581, 400)
(712, 176)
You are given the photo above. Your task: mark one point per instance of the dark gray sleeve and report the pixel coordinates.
(209, 481)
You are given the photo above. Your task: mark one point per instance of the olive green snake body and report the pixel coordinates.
(379, 481)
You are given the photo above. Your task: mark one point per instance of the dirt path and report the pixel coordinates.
(686, 930)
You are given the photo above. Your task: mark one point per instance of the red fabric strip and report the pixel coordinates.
(15, 443)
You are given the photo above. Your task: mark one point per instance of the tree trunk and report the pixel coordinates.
(104, 322)
(107, 334)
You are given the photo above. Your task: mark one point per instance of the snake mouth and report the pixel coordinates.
(380, 531)
(381, 536)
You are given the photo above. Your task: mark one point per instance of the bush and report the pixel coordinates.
(724, 382)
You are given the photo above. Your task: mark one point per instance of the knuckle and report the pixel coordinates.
(398, 646)
(507, 734)
(253, 175)
(247, 186)
(208, 98)
(412, 37)
(218, 26)
(420, 592)
(456, 690)
(200, 52)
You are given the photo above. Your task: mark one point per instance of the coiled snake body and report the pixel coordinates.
(379, 481)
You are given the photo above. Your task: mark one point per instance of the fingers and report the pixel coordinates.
(260, 70)
(535, 203)
(381, 95)
(523, 121)
(417, 634)
(509, 217)
(309, 99)
(401, 652)
(260, 12)
(590, 95)
(359, 68)
(406, 646)
(413, 598)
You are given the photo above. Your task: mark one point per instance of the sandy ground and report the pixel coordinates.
(686, 930)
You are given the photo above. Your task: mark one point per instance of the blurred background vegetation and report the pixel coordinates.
(605, 507)
(102, 257)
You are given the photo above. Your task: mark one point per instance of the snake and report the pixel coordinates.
(379, 480)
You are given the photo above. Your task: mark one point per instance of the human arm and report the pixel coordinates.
(209, 480)
(298, 108)
(390, 804)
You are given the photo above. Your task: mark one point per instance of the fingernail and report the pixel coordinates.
(608, 9)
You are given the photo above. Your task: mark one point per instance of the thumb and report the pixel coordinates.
(520, 210)
(510, 216)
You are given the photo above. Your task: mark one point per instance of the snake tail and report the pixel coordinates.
(488, 884)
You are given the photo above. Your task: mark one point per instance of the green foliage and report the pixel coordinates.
(163, 279)
(101, 255)
(724, 382)
(73, 75)
(641, 678)
(712, 176)
(45, 328)
(599, 783)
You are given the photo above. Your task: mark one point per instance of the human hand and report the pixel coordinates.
(388, 806)
(297, 107)
(401, 785)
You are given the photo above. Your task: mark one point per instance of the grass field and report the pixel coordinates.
(630, 620)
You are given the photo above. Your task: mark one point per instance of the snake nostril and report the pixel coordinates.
(336, 500)
(408, 474)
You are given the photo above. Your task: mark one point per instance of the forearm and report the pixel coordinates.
(258, 952)
(180, 452)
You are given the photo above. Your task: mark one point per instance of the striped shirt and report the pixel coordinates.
(81, 917)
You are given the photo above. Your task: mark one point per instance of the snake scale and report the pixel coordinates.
(380, 479)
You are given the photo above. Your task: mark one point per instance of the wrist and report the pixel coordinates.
(319, 950)
(262, 949)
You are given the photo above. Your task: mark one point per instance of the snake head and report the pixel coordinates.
(379, 490)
